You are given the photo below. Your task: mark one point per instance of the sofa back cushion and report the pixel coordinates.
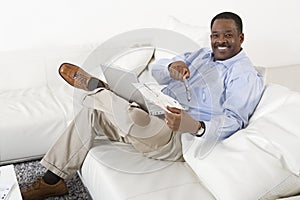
(38, 67)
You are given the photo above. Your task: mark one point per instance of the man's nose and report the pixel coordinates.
(221, 39)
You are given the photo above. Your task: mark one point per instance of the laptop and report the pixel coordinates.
(121, 82)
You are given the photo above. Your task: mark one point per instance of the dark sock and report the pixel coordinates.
(51, 178)
(94, 83)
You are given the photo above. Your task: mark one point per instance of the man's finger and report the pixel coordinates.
(174, 110)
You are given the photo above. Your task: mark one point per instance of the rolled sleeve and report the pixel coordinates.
(160, 68)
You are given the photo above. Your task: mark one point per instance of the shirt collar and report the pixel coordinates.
(228, 62)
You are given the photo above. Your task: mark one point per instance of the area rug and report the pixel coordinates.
(28, 172)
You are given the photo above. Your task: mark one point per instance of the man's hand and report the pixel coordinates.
(179, 70)
(179, 120)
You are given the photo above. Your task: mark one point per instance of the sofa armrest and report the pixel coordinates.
(284, 75)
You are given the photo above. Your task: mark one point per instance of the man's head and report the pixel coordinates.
(226, 35)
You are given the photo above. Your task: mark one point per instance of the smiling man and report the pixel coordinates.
(223, 91)
(226, 37)
(224, 84)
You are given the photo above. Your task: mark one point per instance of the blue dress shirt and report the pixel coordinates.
(224, 94)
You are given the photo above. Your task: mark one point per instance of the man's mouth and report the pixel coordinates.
(222, 48)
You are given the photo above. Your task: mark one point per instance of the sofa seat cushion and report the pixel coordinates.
(115, 171)
(31, 119)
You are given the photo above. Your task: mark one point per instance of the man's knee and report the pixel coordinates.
(139, 116)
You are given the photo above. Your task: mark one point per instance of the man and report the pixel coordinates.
(222, 91)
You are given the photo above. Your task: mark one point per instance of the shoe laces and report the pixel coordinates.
(80, 78)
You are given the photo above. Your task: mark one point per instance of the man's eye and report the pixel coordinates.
(228, 35)
(215, 36)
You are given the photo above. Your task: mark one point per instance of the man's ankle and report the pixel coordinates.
(51, 178)
(95, 83)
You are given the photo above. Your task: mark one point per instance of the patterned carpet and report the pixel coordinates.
(28, 172)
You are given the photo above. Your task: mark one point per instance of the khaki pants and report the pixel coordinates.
(105, 112)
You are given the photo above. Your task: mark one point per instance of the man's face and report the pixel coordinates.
(225, 39)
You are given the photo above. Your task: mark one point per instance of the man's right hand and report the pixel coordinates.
(179, 70)
(180, 120)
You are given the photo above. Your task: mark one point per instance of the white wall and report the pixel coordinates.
(272, 28)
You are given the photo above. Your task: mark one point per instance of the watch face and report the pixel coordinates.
(201, 131)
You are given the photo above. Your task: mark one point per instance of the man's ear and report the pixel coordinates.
(242, 38)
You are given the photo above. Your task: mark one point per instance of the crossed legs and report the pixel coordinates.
(97, 117)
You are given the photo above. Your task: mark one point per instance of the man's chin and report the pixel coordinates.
(220, 54)
(220, 57)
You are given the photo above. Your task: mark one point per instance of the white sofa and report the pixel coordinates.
(259, 162)
(36, 105)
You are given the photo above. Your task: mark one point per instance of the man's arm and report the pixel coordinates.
(242, 95)
(160, 69)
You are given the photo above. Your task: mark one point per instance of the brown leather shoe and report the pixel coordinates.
(79, 78)
(41, 190)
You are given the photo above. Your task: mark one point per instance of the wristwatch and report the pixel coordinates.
(201, 130)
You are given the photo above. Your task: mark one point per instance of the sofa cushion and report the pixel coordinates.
(259, 162)
(116, 171)
(133, 59)
(199, 34)
(278, 128)
(32, 119)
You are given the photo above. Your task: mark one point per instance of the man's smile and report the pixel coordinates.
(222, 49)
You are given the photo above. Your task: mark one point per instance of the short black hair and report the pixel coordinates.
(229, 15)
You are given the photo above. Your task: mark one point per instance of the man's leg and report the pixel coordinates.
(113, 115)
(147, 133)
(151, 136)
(66, 156)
